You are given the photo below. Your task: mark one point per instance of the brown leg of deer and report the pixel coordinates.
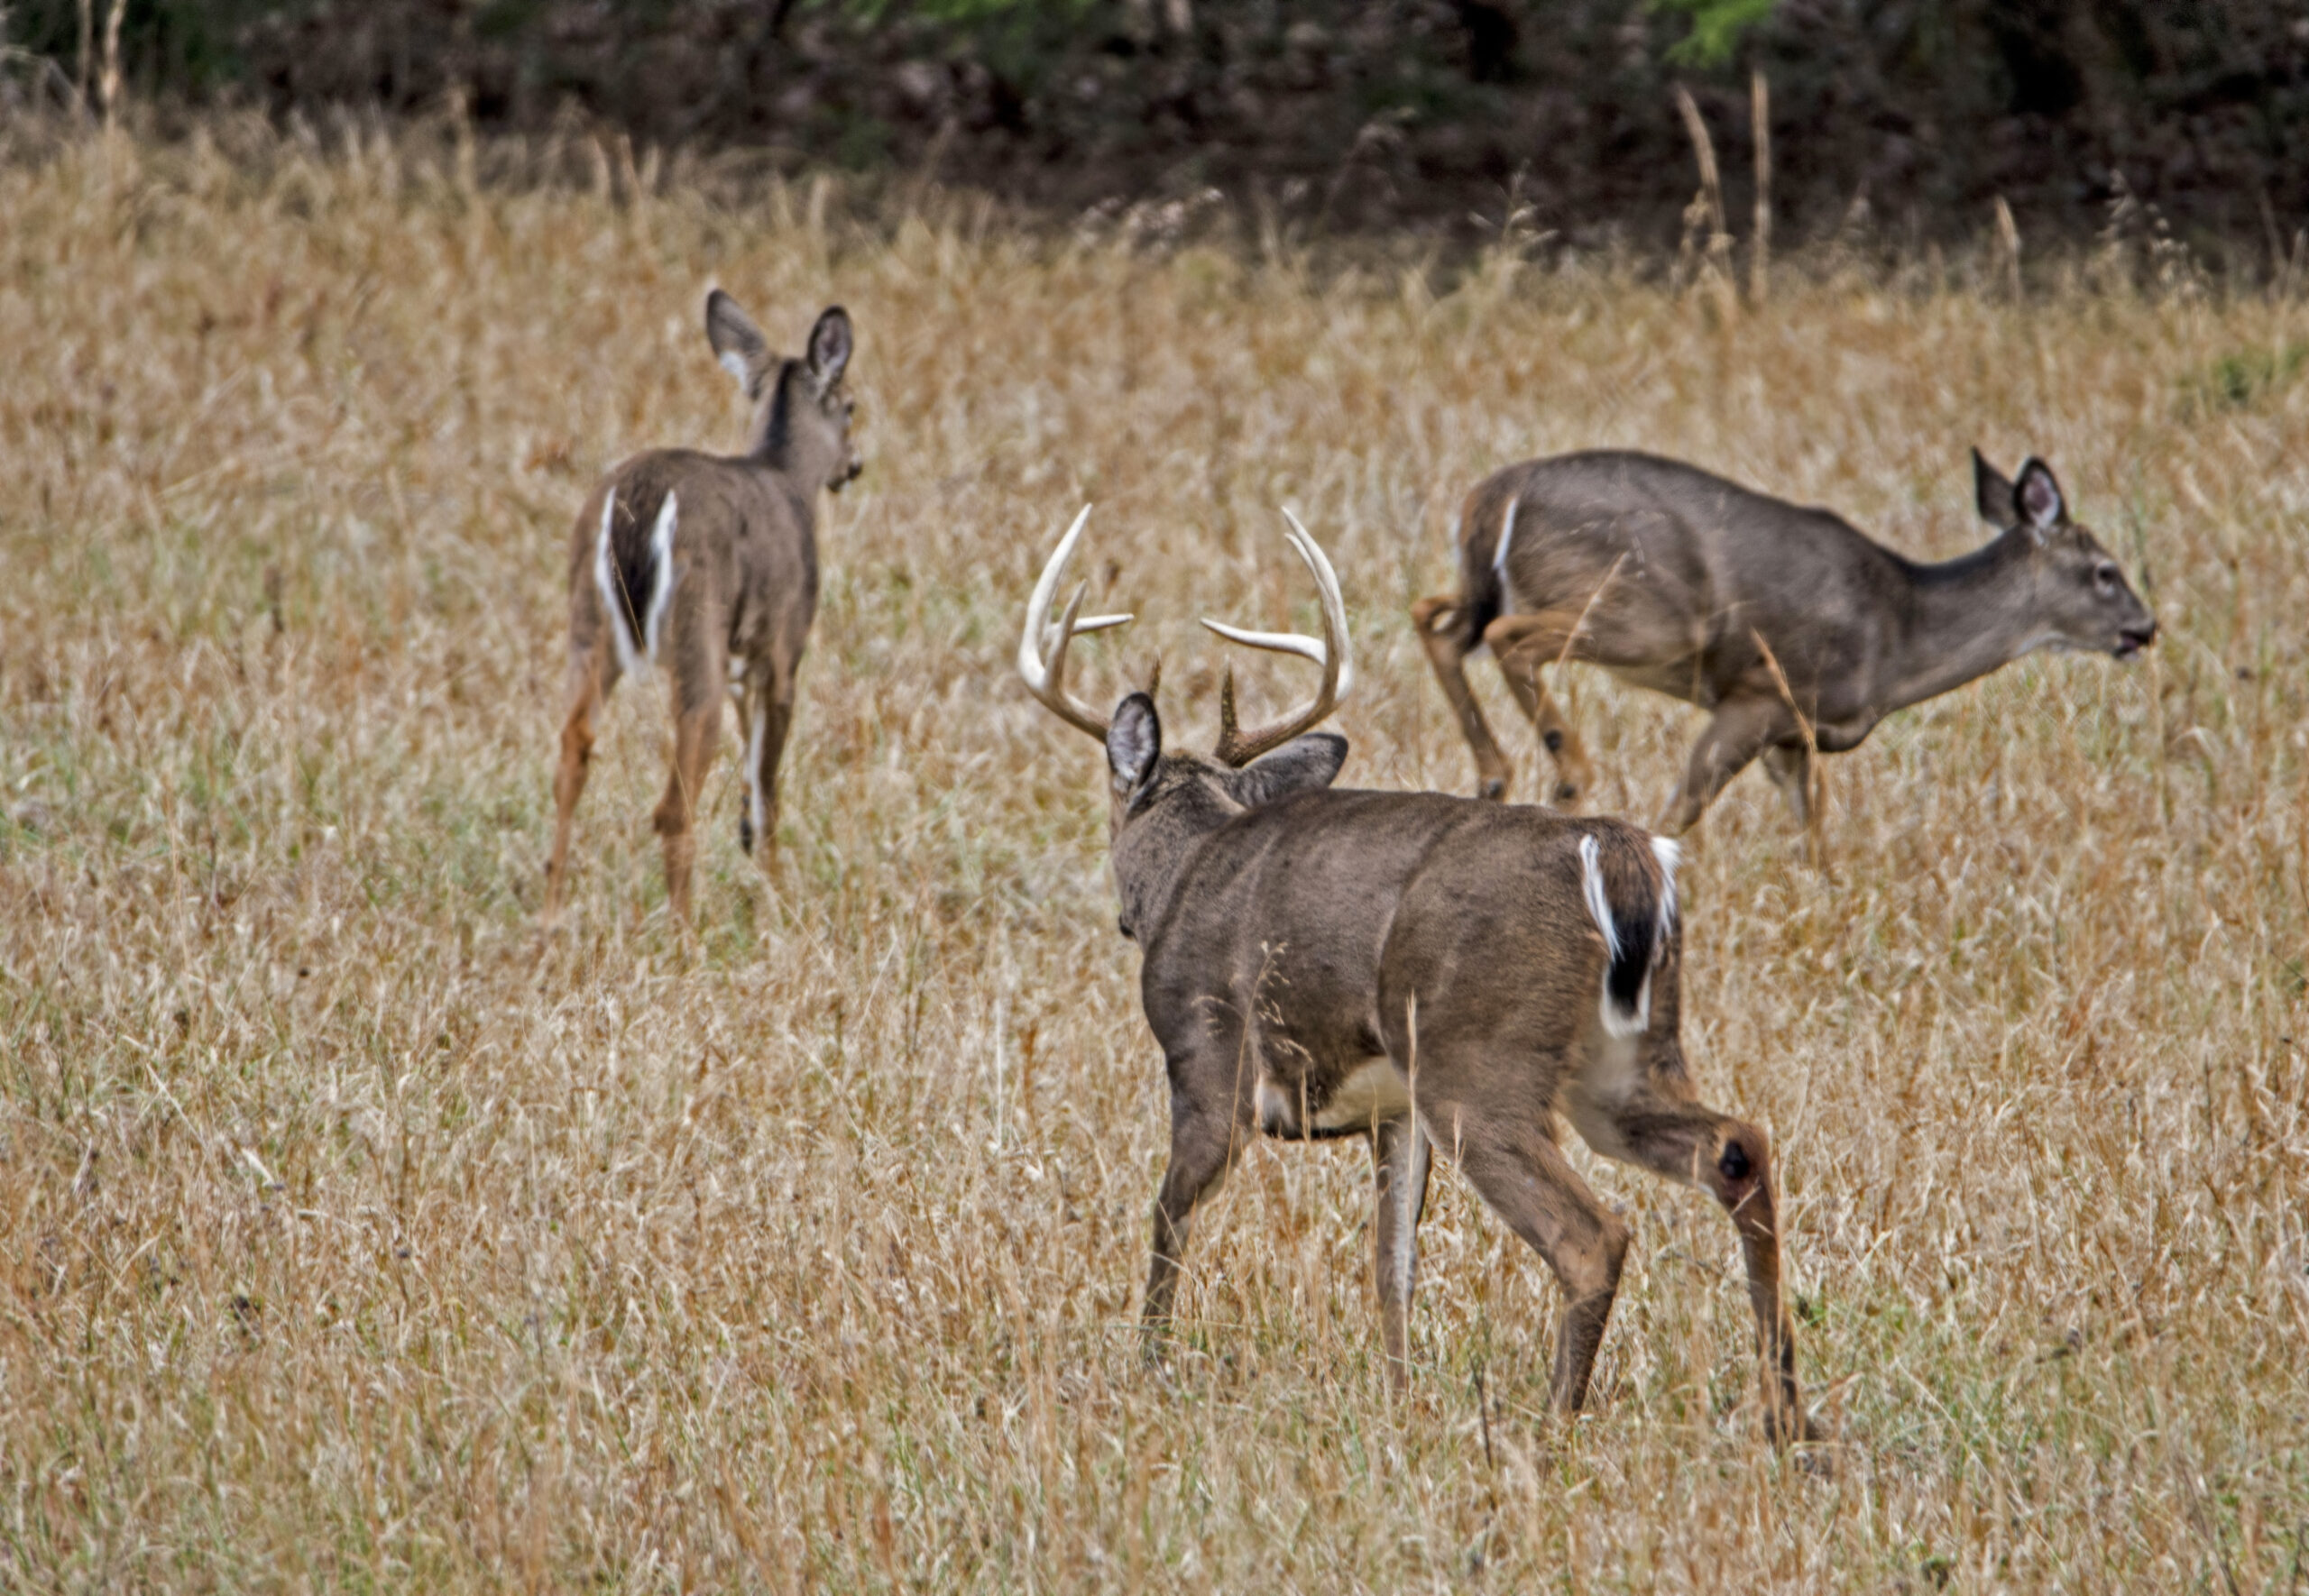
(1399, 1161)
(769, 715)
(1741, 731)
(1437, 622)
(697, 727)
(586, 690)
(1204, 1146)
(1525, 645)
(1790, 765)
(1528, 1182)
(1686, 1141)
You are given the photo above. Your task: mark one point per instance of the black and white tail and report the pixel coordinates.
(636, 581)
(1631, 892)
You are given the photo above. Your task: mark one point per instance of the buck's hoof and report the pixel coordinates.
(1565, 793)
(1495, 789)
(746, 833)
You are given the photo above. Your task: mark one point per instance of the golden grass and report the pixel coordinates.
(354, 1233)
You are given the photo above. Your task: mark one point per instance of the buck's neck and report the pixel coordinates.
(1153, 852)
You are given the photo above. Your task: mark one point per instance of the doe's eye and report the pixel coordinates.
(2106, 577)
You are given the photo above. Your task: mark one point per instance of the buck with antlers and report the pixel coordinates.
(1420, 969)
(1798, 632)
(708, 564)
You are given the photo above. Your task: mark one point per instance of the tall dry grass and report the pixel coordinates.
(354, 1234)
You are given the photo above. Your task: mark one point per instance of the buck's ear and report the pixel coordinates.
(1303, 765)
(2038, 498)
(1992, 493)
(830, 347)
(736, 343)
(1134, 743)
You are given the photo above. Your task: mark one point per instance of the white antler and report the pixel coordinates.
(1042, 645)
(1236, 746)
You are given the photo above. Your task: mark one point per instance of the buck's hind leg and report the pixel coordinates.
(1524, 645)
(590, 679)
(1524, 1176)
(1400, 1155)
(1442, 633)
(1687, 1141)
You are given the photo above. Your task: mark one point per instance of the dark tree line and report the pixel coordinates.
(1342, 114)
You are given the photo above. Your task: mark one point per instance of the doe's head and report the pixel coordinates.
(2082, 596)
(802, 410)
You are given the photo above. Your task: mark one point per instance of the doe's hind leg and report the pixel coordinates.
(1524, 645)
(1441, 632)
(589, 680)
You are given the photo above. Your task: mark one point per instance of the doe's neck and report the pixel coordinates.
(1968, 617)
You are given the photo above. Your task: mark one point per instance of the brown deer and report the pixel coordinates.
(708, 565)
(1423, 970)
(1796, 630)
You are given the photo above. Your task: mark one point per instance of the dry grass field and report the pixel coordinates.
(356, 1234)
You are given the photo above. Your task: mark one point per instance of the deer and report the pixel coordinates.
(1797, 631)
(707, 564)
(1418, 970)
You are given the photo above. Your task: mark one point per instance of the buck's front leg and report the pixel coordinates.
(1400, 1156)
(1210, 1127)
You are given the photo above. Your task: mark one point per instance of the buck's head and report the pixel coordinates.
(2081, 598)
(802, 412)
(1158, 800)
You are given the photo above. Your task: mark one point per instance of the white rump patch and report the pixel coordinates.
(1506, 537)
(661, 576)
(612, 605)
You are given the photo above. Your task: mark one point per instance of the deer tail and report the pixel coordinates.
(1629, 880)
(636, 579)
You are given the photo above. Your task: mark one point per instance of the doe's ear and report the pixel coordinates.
(736, 343)
(2038, 496)
(1992, 495)
(1303, 765)
(829, 344)
(1134, 743)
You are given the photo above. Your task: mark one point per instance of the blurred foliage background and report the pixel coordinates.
(1442, 116)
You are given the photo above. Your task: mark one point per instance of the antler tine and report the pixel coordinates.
(1236, 746)
(1046, 678)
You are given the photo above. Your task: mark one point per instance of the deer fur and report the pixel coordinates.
(706, 566)
(1796, 630)
(1425, 971)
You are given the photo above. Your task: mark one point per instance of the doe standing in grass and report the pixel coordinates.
(708, 565)
(1797, 631)
(1420, 969)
